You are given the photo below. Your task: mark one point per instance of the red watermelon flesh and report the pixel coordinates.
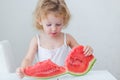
(77, 63)
(44, 69)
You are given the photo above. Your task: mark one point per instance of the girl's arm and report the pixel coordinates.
(30, 54)
(73, 43)
(28, 58)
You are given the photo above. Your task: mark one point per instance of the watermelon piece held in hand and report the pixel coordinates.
(77, 63)
(44, 69)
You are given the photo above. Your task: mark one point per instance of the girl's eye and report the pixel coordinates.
(58, 24)
(48, 25)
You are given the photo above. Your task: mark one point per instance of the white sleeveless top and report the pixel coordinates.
(57, 55)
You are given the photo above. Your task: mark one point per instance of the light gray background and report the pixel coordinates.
(93, 22)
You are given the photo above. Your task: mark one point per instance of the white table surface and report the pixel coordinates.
(92, 75)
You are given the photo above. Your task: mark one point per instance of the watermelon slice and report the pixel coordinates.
(45, 69)
(77, 63)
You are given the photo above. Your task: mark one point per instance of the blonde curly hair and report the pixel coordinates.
(57, 7)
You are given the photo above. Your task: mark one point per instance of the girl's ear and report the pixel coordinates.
(39, 21)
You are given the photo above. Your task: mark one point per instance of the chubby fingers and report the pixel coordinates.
(88, 50)
(20, 72)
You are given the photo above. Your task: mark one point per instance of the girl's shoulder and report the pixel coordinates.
(68, 36)
(70, 40)
(34, 40)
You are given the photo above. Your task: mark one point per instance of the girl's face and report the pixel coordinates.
(52, 25)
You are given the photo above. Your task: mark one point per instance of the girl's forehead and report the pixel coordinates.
(53, 14)
(54, 18)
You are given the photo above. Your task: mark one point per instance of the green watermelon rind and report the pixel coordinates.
(92, 62)
(46, 78)
(88, 69)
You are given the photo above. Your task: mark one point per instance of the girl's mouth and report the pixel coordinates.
(53, 34)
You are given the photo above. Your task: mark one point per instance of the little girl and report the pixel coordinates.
(51, 16)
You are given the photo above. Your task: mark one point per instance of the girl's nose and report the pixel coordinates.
(54, 28)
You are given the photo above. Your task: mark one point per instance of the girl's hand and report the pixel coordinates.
(88, 50)
(20, 72)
